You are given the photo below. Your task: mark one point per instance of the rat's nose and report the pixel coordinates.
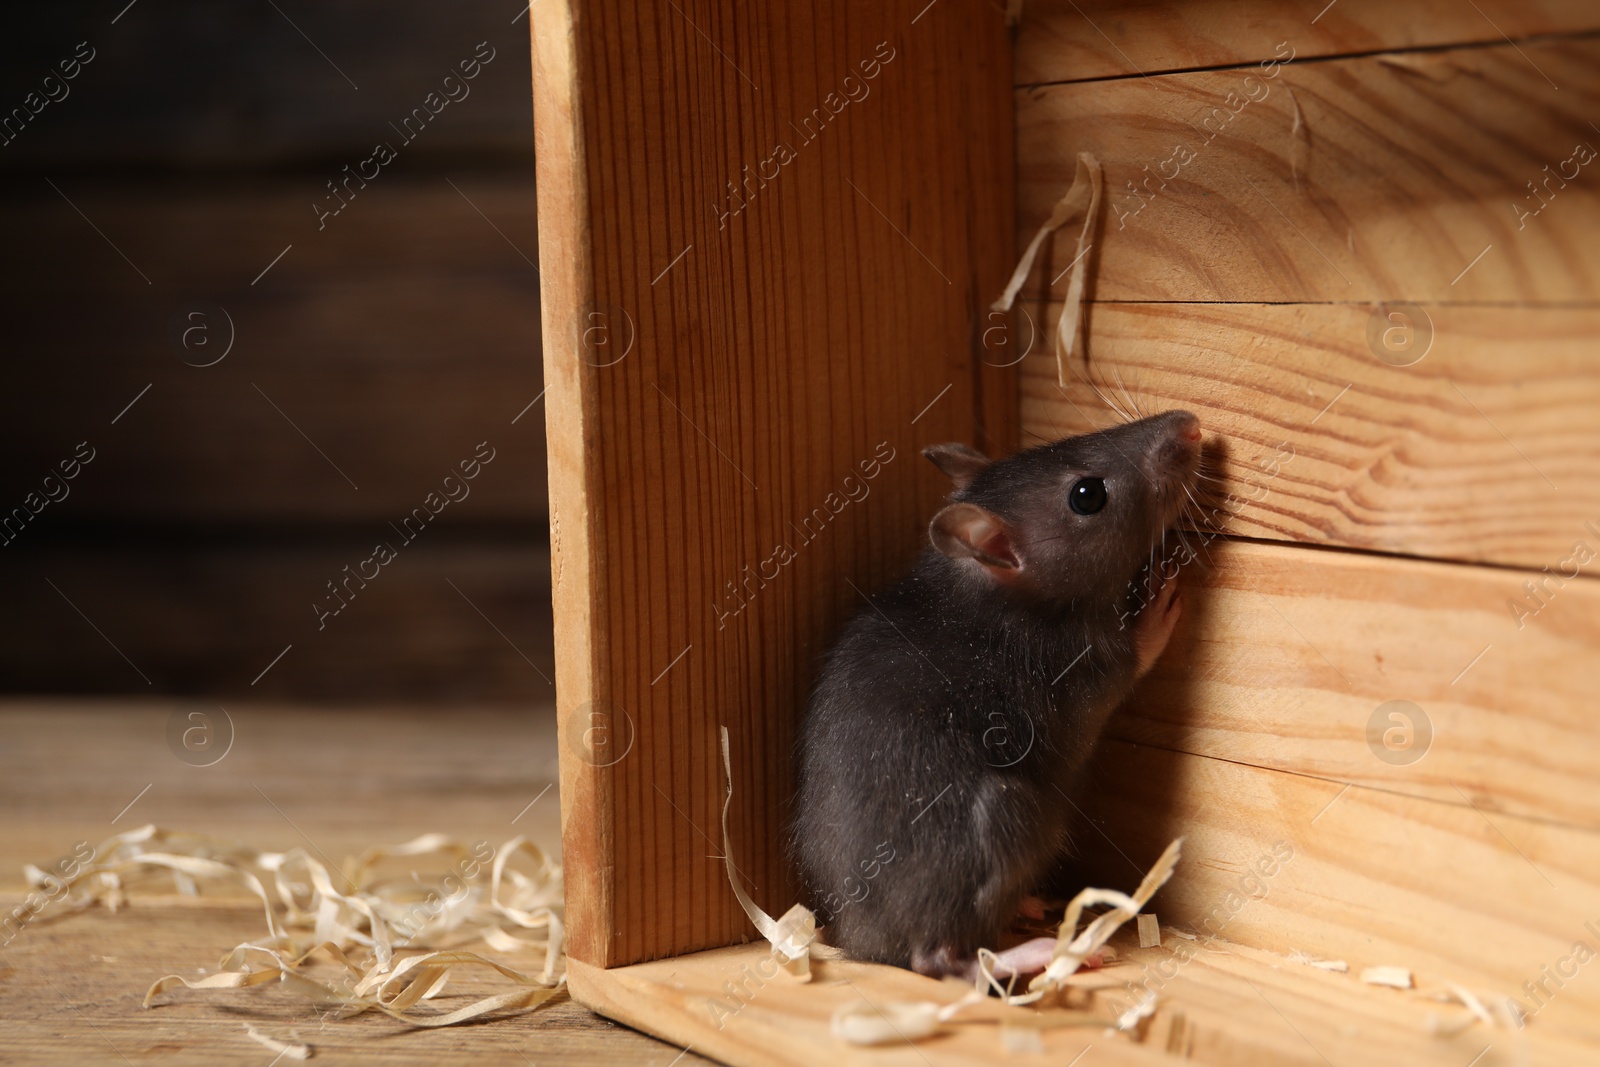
(1186, 426)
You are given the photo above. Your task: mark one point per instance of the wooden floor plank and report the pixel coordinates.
(1468, 454)
(782, 1023)
(342, 779)
(1395, 177)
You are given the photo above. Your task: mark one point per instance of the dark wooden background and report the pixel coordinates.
(367, 362)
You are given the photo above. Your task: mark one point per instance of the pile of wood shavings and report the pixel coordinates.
(361, 927)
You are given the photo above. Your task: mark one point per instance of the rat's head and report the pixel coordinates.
(1069, 520)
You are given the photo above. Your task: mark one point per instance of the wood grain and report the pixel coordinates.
(759, 382)
(213, 237)
(783, 1023)
(70, 987)
(1404, 169)
(1371, 878)
(394, 341)
(206, 617)
(193, 85)
(1075, 40)
(1482, 451)
(1225, 1003)
(1286, 656)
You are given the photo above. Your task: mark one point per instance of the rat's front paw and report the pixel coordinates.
(1154, 627)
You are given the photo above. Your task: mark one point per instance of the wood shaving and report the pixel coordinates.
(1072, 950)
(1131, 1018)
(1476, 1012)
(1394, 977)
(791, 936)
(1299, 956)
(1021, 1040)
(358, 928)
(1470, 1001)
(1149, 931)
(1299, 142)
(294, 1051)
(1083, 197)
(893, 1024)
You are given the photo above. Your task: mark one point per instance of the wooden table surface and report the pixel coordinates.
(334, 780)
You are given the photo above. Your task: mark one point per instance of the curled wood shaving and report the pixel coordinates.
(1299, 141)
(1083, 197)
(1394, 977)
(1142, 1010)
(1470, 1001)
(1149, 931)
(1476, 1012)
(792, 935)
(1300, 956)
(1072, 950)
(361, 926)
(294, 1051)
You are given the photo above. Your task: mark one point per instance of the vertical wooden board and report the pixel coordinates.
(768, 239)
(1074, 40)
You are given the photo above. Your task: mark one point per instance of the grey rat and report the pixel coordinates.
(956, 713)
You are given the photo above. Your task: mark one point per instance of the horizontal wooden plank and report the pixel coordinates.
(1227, 1004)
(196, 619)
(1289, 659)
(1369, 877)
(1483, 450)
(173, 239)
(1224, 1003)
(375, 356)
(688, 1000)
(1380, 178)
(192, 84)
(1073, 40)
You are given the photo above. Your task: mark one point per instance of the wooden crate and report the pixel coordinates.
(769, 236)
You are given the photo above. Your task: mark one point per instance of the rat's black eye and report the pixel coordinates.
(1087, 495)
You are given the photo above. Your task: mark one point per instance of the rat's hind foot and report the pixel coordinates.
(1030, 957)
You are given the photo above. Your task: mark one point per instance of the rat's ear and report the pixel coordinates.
(966, 531)
(960, 462)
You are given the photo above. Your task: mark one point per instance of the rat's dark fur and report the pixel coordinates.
(954, 717)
